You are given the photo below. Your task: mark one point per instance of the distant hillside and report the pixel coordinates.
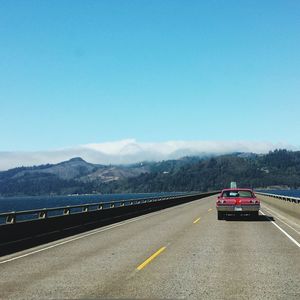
(69, 177)
(278, 168)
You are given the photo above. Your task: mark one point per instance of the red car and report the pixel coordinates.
(237, 202)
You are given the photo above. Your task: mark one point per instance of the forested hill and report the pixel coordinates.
(280, 168)
(277, 168)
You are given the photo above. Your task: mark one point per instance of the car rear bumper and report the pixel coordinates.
(238, 209)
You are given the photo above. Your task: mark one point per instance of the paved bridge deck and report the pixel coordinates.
(179, 252)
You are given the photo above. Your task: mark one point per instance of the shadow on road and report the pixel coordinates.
(33, 241)
(260, 218)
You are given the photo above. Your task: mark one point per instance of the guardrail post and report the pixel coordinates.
(43, 214)
(66, 211)
(11, 219)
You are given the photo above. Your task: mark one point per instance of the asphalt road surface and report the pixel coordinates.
(182, 252)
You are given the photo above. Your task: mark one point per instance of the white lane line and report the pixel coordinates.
(270, 210)
(283, 231)
(95, 232)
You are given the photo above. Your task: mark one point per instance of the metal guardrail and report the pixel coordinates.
(281, 197)
(14, 217)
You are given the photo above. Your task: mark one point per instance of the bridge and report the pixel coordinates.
(179, 252)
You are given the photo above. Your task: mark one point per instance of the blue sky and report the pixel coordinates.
(79, 72)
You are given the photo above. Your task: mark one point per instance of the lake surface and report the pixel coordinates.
(36, 202)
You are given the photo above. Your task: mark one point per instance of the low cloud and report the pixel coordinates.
(130, 151)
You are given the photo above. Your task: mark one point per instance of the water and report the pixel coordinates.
(8, 204)
(289, 193)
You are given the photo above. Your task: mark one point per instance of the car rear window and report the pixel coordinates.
(240, 194)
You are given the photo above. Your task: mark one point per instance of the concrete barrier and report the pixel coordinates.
(289, 205)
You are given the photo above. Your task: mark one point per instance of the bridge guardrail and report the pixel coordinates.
(281, 197)
(34, 225)
(13, 217)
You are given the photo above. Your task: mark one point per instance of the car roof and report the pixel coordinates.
(236, 189)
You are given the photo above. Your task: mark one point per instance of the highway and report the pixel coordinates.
(182, 252)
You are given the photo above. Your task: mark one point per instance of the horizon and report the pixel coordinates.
(179, 76)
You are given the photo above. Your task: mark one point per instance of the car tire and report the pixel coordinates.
(220, 215)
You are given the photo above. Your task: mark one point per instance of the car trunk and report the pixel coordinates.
(239, 201)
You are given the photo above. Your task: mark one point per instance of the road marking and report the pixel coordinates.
(196, 221)
(210, 209)
(283, 231)
(96, 231)
(148, 260)
(269, 209)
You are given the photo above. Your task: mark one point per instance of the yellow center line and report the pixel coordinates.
(148, 260)
(196, 221)
(210, 209)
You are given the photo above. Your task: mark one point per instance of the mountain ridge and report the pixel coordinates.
(189, 173)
